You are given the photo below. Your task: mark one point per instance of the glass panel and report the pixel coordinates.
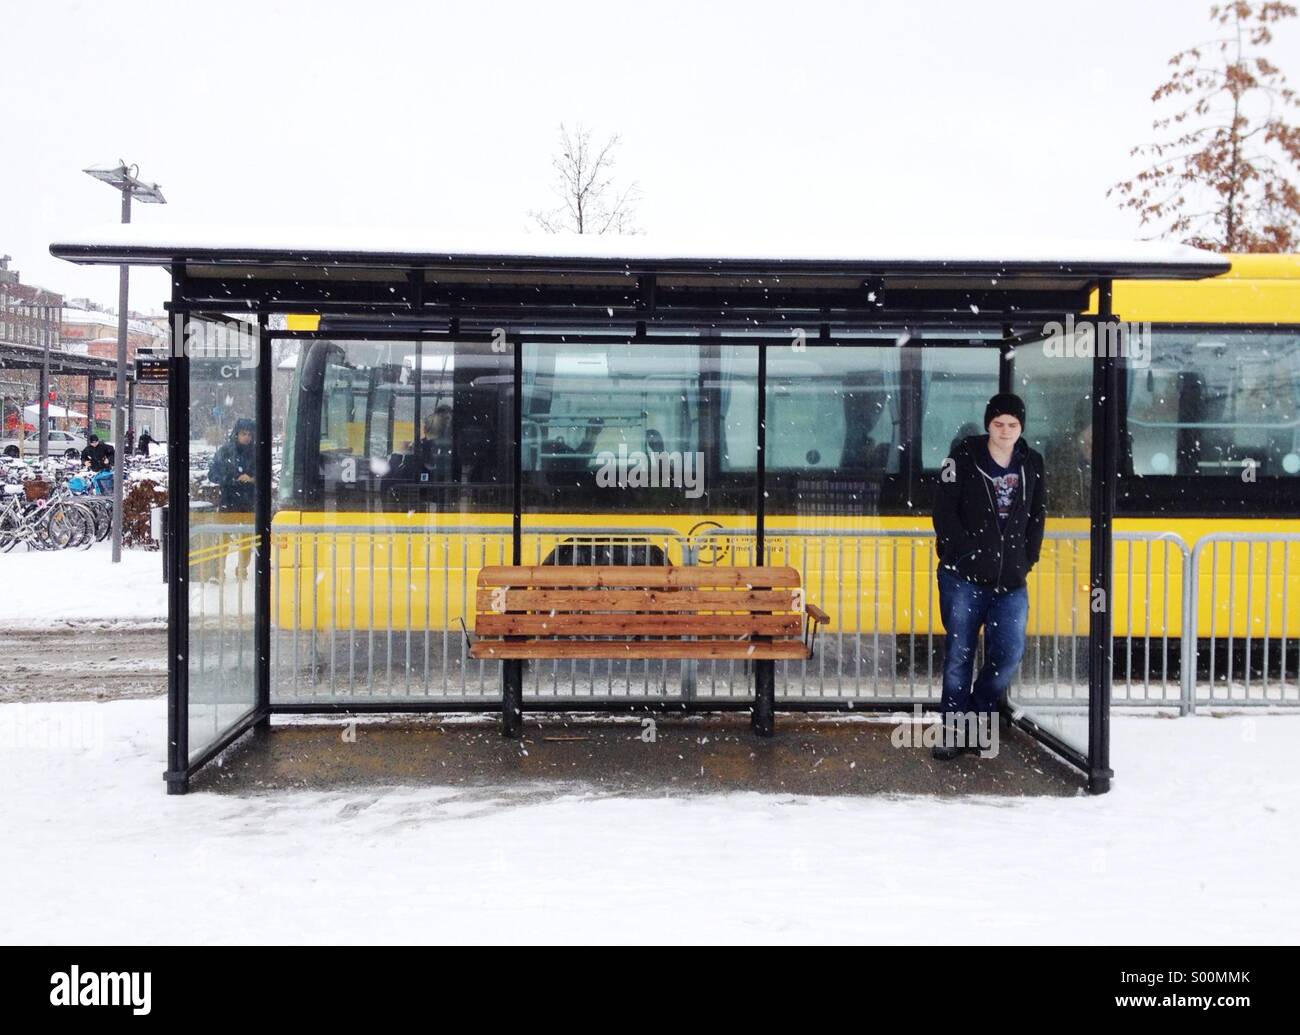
(1052, 685)
(836, 419)
(955, 386)
(1212, 402)
(641, 455)
(395, 491)
(835, 431)
(223, 546)
(383, 425)
(616, 430)
(857, 435)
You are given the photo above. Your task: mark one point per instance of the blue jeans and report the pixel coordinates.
(965, 607)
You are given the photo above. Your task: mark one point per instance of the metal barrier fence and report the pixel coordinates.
(1239, 663)
(1144, 583)
(222, 654)
(589, 679)
(885, 639)
(861, 655)
(884, 643)
(382, 612)
(378, 613)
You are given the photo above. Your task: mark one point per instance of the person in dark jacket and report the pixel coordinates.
(437, 454)
(1070, 458)
(989, 517)
(97, 455)
(234, 469)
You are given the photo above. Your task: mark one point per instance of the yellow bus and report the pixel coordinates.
(398, 460)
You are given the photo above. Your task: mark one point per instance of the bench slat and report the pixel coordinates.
(638, 625)
(585, 601)
(544, 575)
(782, 650)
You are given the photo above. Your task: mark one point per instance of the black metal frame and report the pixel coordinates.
(1105, 466)
(430, 297)
(763, 707)
(177, 547)
(262, 525)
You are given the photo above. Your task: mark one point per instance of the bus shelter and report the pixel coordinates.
(360, 424)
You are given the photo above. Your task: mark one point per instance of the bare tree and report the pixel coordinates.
(590, 200)
(1222, 177)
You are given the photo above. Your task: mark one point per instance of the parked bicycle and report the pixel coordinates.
(95, 492)
(50, 523)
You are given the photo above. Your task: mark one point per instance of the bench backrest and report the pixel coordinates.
(646, 601)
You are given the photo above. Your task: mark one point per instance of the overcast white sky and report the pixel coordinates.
(866, 118)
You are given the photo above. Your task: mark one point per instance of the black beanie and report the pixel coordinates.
(1004, 403)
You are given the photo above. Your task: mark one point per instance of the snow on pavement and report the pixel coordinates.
(65, 587)
(1196, 843)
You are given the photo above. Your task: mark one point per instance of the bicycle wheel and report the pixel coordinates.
(86, 517)
(104, 520)
(63, 525)
(11, 526)
(101, 514)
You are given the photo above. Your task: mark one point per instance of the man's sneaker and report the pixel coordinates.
(983, 736)
(948, 747)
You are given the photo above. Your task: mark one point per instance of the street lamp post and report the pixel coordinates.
(43, 407)
(123, 178)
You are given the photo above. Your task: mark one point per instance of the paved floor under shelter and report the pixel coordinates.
(809, 755)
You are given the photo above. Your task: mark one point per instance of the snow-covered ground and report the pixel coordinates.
(1197, 842)
(66, 587)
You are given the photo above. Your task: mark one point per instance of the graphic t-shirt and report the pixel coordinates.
(1003, 482)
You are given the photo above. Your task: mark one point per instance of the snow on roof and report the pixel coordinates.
(87, 316)
(146, 243)
(52, 410)
(96, 318)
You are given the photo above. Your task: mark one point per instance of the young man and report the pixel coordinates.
(988, 522)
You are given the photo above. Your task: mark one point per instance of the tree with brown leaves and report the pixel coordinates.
(1223, 177)
(590, 202)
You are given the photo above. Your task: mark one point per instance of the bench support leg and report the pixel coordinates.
(763, 718)
(512, 697)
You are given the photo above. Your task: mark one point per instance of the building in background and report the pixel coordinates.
(30, 319)
(81, 337)
(84, 324)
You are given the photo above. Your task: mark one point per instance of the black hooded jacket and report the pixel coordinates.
(968, 539)
(99, 455)
(230, 462)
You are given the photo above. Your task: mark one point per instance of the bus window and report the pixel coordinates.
(608, 428)
(379, 442)
(1216, 404)
(402, 425)
(343, 413)
(956, 384)
(834, 409)
(1058, 422)
(834, 429)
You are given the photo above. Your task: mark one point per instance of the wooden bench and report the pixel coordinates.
(755, 614)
